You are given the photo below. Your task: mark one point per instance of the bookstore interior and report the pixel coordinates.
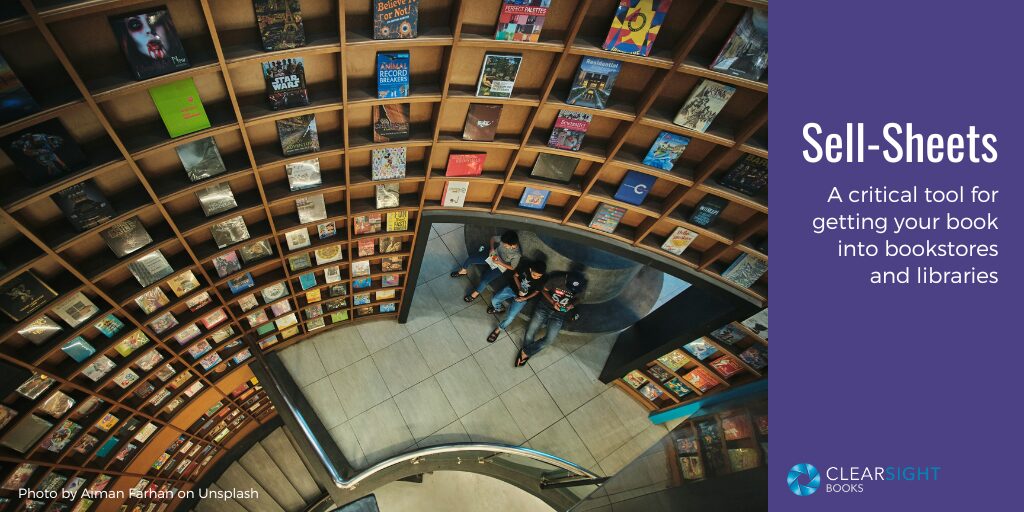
(193, 185)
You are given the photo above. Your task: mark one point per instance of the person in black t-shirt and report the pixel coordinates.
(527, 282)
(560, 296)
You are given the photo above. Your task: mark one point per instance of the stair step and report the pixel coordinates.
(280, 449)
(258, 463)
(236, 477)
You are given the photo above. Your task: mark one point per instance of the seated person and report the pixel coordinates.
(561, 295)
(527, 281)
(504, 254)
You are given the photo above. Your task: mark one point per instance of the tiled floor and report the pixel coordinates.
(383, 388)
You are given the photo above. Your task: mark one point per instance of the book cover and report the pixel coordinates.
(78, 349)
(745, 270)
(674, 360)
(15, 101)
(150, 268)
(298, 135)
(593, 84)
(229, 232)
(366, 247)
(285, 81)
(391, 122)
(183, 283)
(534, 198)
(677, 388)
(756, 357)
(498, 74)
(651, 392)
(465, 164)
(395, 19)
(131, 343)
(387, 195)
(40, 330)
(255, 251)
(521, 20)
(313, 296)
(201, 159)
(703, 105)
(360, 268)
(454, 195)
(388, 163)
(636, 25)
(198, 302)
(300, 262)
(701, 379)
(635, 379)
(109, 325)
(328, 254)
(749, 175)
(149, 42)
(606, 217)
(741, 459)
(365, 311)
(691, 467)
(326, 230)
(126, 237)
(678, 241)
(391, 264)
(360, 299)
(758, 324)
(35, 386)
(384, 295)
(666, 150)
(389, 280)
(98, 368)
(726, 366)
(332, 274)
(241, 283)
(227, 264)
(43, 152)
(25, 434)
(701, 349)
(280, 24)
(311, 208)
(163, 323)
(361, 283)
(658, 373)
(398, 221)
(481, 122)
(23, 295)
(570, 127)
(729, 334)
(634, 187)
(84, 205)
(180, 107)
(745, 53)
(303, 174)
(76, 309)
(707, 210)
(389, 244)
(307, 281)
(366, 224)
(392, 74)
(553, 167)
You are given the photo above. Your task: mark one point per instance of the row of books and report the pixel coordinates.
(717, 445)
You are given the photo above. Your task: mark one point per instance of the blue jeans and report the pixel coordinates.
(542, 315)
(488, 275)
(507, 293)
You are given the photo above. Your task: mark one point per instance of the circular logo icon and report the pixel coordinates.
(803, 479)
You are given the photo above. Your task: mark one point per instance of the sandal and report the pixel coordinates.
(458, 273)
(493, 336)
(469, 298)
(491, 310)
(521, 360)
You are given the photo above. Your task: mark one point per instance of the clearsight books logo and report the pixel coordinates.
(803, 479)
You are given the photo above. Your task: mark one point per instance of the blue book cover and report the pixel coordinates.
(307, 280)
(362, 282)
(388, 308)
(635, 187)
(240, 284)
(78, 349)
(592, 86)
(534, 198)
(392, 74)
(107, 447)
(666, 149)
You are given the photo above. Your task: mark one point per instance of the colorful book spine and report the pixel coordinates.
(635, 26)
(392, 74)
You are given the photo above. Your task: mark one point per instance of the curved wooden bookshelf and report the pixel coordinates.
(82, 79)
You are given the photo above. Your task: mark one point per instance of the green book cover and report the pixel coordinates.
(180, 107)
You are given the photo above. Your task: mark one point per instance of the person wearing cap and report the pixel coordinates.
(561, 295)
(528, 280)
(504, 254)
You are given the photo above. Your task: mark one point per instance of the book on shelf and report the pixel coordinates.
(297, 239)
(465, 164)
(75, 310)
(313, 296)
(749, 175)
(707, 210)
(200, 301)
(701, 379)
(395, 19)
(126, 378)
(15, 100)
(360, 268)
(592, 86)
(521, 20)
(130, 343)
(389, 280)
(634, 187)
(25, 434)
(366, 224)
(454, 195)
(201, 159)
(361, 283)
(183, 283)
(332, 274)
(150, 43)
(691, 467)
(481, 122)
(216, 199)
(391, 264)
(311, 208)
(534, 198)
(286, 321)
(164, 323)
(758, 324)
(389, 244)
(658, 373)
(391, 122)
(745, 53)
(703, 105)
(109, 325)
(303, 174)
(745, 270)
(35, 386)
(299, 262)
(365, 247)
(384, 295)
(736, 427)
(741, 459)
(40, 330)
(248, 302)
(43, 152)
(570, 127)
(326, 229)
(666, 150)
(728, 334)
(361, 299)
(298, 135)
(398, 221)
(280, 24)
(364, 311)
(498, 74)
(651, 392)
(328, 254)
(635, 26)
(180, 107)
(674, 360)
(23, 295)
(677, 387)
(553, 167)
(392, 74)
(286, 83)
(607, 217)
(387, 195)
(726, 366)
(388, 163)
(84, 205)
(149, 360)
(255, 251)
(678, 241)
(150, 268)
(226, 264)
(98, 368)
(229, 232)
(701, 349)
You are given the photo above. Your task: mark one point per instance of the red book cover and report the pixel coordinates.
(465, 164)
(736, 427)
(726, 366)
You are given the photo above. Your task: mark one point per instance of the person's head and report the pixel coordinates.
(576, 281)
(511, 239)
(537, 269)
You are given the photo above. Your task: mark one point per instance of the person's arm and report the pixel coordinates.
(515, 279)
(547, 297)
(492, 243)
